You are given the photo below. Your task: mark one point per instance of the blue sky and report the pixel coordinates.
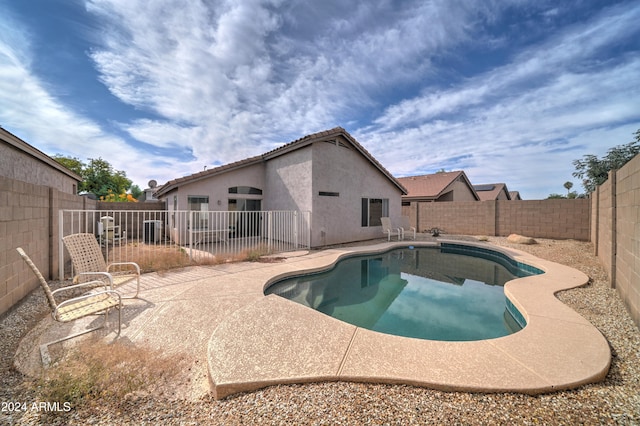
(508, 91)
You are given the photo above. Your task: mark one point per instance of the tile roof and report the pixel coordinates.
(431, 186)
(491, 191)
(286, 148)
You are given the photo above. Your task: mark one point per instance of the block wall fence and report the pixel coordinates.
(615, 224)
(556, 218)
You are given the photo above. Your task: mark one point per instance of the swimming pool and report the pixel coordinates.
(447, 293)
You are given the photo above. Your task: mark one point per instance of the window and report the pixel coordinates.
(328, 194)
(373, 209)
(242, 205)
(199, 204)
(245, 190)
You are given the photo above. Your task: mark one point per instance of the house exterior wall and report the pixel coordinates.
(18, 165)
(460, 192)
(289, 181)
(338, 219)
(217, 188)
(502, 195)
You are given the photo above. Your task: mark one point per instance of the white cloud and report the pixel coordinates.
(506, 121)
(247, 73)
(224, 80)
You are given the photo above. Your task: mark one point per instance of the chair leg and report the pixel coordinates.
(44, 348)
(135, 296)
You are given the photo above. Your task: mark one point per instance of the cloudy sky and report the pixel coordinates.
(508, 90)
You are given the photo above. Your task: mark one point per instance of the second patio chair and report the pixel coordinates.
(388, 230)
(406, 227)
(89, 264)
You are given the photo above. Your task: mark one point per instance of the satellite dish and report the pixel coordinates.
(152, 183)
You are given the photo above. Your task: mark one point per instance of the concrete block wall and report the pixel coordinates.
(603, 204)
(28, 219)
(455, 217)
(555, 218)
(627, 236)
(24, 222)
(563, 219)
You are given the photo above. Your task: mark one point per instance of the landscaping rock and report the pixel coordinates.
(520, 239)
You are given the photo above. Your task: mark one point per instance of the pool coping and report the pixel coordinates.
(276, 341)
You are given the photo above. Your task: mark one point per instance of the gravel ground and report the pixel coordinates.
(614, 401)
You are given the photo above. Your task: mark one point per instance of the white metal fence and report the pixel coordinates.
(136, 235)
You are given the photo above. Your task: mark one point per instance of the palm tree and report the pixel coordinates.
(568, 186)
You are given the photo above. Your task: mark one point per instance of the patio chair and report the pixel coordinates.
(91, 303)
(388, 230)
(88, 261)
(406, 227)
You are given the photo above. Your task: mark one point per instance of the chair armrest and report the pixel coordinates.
(133, 264)
(75, 286)
(105, 274)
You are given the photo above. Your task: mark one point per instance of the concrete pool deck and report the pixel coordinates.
(219, 316)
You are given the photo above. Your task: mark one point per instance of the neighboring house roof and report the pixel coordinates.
(23, 146)
(433, 186)
(515, 195)
(282, 150)
(491, 191)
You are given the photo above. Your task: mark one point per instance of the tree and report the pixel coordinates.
(98, 177)
(568, 185)
(72, 163)
(136, 191)
(594, 171)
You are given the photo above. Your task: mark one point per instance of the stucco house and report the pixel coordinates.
(437, 187)
(23, 162)
(515, 195)
(492, 191)
(329, 174)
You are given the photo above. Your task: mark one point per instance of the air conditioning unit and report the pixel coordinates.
(151, 231)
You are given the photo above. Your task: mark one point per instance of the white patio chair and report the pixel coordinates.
(406, 227)
(89, 264)
(388, 230)
(91, 303)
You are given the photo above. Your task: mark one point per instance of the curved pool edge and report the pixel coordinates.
(276, 341)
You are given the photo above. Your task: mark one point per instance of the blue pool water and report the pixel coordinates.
(452, 293)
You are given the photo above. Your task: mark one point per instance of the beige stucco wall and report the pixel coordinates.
(461, 192)
(217, 188)
(292, 181)
(502, 195)
(346, 171)
(15, 164)
(288, 179)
